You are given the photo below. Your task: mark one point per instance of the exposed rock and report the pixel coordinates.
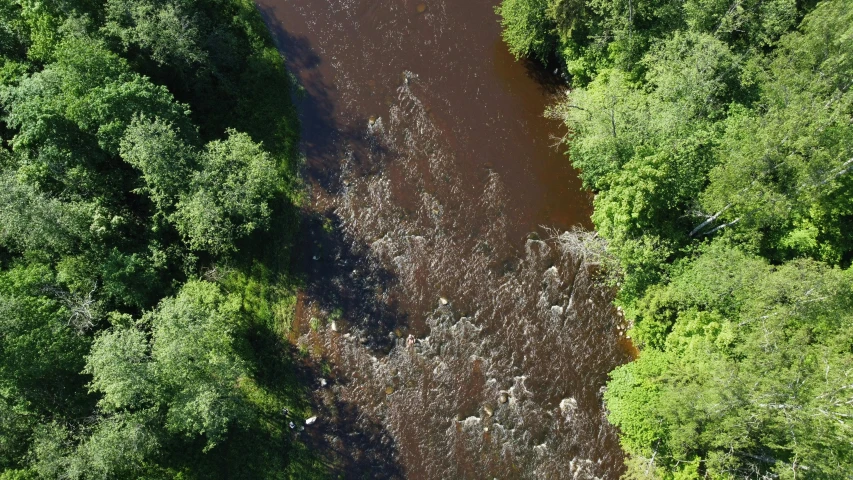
(488, 410)
(503, 397)
(443, 301)
(311, 420)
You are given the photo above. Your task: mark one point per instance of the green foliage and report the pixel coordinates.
(782, 172)
(141, 140)
(42, 349)
(718, 140)
(714, 142)
(751, 377)
(590, 36)
(166, 160)
(166, 31)
(193, 353)
(189, 367)
(526, 28)
(229, 195)
(32, 221)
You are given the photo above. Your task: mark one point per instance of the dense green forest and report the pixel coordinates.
(147, 192)
(717, 136)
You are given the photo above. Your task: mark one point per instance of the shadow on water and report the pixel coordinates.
(344, 439)
(322, 134)
(338, 276)
(345, 285)
(346, 290)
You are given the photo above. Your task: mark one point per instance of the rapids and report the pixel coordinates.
(451, 330)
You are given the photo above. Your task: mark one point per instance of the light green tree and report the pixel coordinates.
(229, 195)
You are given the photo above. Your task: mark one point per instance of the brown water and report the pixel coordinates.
(431, 172)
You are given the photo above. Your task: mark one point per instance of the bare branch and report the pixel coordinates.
(710, 220)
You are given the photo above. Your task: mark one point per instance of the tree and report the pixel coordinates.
(169, 31)
(527, 30)
(720, 146)
(166, 160)
(189, 369)
(752, 378)
(229, 195)
(118, 125)
(783, 172)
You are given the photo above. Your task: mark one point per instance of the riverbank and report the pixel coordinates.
(148, 211)
(717, 140)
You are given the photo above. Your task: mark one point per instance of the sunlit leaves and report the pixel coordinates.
(189, 366)
(228, 196)
(526, 28)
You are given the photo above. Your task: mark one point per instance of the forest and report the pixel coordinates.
(717, 137)
(148, 202)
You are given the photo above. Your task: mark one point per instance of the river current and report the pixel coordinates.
(449, 332)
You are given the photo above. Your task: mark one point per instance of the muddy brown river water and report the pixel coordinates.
(450, 334)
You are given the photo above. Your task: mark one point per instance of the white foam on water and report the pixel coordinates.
(515, 329)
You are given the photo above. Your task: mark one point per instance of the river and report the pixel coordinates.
(447, 332)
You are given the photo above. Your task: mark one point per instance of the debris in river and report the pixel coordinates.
(410, 341)
(311, 420)
(421, 7)
(323, 382)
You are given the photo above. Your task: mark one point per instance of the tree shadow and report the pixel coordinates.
(325, 141)
(547, 80)
(336, 274)
(341, 280)
(345, 439)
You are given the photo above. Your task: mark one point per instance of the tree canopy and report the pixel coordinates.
(145, 144)
(717, 137)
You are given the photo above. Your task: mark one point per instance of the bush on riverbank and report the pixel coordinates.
(146, 217)
(719, 140)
